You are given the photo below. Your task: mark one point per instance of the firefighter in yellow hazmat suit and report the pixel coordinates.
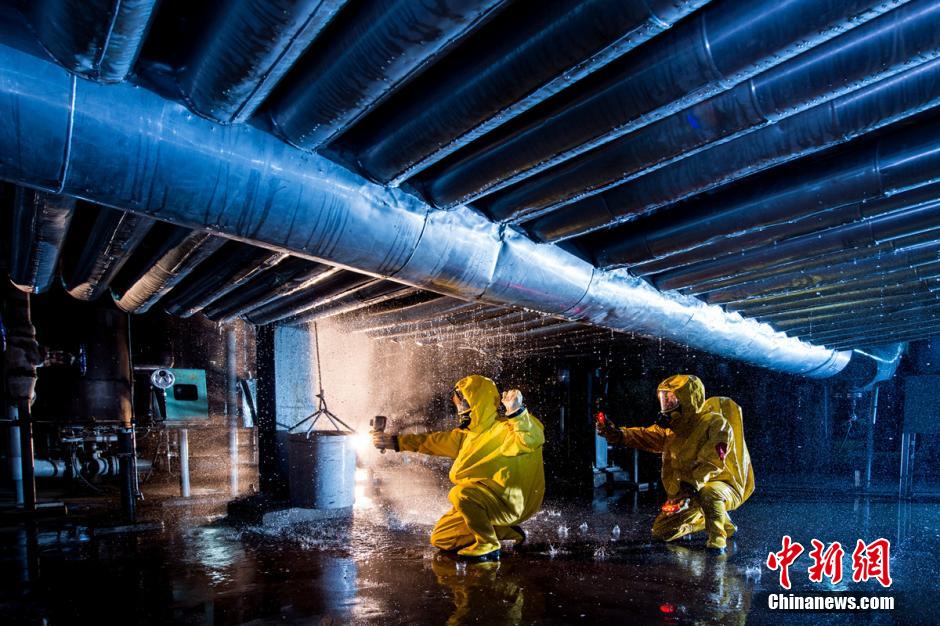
(706, 467)
(497, 472)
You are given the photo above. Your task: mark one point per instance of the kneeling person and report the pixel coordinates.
(497, 473)
(706, 466)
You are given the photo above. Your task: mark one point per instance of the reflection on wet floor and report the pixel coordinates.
(377, 568)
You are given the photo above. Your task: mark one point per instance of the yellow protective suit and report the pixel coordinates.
(497, 472)
(703, 448)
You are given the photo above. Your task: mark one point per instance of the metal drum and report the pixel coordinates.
(322, 470)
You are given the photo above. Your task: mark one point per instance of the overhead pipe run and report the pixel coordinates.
(168, 271)
(99, 39)
(894, 282)
(419, 312)
(381, 291)
(707, 54)
(891, 254)
(859, 235)
(245, 49)
(847, 293)
(114, 237)
(292, 276)
(837, 310)
(888, 336)
(229, 269)
(761, 221)
(535, 50)
(330, 287)
(365, 58)
(266, 192)
(881, 260)
(832, 123)
(850, 64)
(40, 221)
(446, 322)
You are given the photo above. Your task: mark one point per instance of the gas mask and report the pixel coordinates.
(668, 408)
(462, 407)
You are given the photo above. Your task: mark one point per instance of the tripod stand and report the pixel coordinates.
(322, 409)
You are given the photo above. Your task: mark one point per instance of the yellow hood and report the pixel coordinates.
(691, 393)
(483, 398)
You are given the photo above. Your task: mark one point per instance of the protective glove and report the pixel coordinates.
(385, 441)
(513, 402)
(676, 505)
(607, 430)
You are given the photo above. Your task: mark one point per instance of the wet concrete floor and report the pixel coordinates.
(378, 569)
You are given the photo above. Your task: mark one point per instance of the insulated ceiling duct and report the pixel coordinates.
(246, 184)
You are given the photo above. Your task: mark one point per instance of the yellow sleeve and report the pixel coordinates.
(651, 438)
(524, 434)
(442, 443)
(711, 457)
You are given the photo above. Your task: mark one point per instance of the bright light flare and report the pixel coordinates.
(362, 442)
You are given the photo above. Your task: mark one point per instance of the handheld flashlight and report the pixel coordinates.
(378, 424)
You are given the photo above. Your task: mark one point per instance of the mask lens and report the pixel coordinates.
(668, 401)
(460, 402)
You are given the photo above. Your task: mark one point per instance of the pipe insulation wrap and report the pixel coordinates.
(246, 184)
(39, 226)
(99, 39)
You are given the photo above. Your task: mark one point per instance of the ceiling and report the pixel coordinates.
(777, 159)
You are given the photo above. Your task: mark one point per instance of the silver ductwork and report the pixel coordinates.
(243, 183)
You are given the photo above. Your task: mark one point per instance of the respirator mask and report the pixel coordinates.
(462, 407)
(668, 407)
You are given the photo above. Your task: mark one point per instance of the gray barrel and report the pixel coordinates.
(322, 470)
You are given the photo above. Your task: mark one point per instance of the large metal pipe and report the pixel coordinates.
(809, 132)
(364, 58)
(99, 39)
(534, 50)
(332, 286)
(245, 48)
(859, 235)
(171, 268)
(40, 222)
(381, 291)
(267, 192)
(852, 63)
(114, 237)
(232, 267)
(705, 55)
